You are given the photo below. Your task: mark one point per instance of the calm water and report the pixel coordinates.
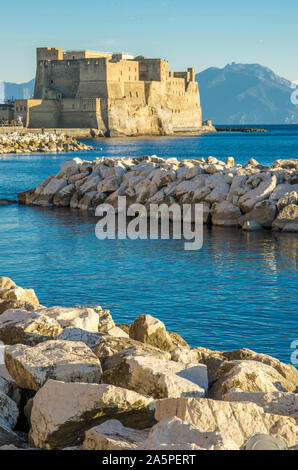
(239, 290)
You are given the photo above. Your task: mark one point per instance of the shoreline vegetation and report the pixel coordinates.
(73, 379)
(251, 196)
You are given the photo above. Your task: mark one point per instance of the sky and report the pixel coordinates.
(187, 33)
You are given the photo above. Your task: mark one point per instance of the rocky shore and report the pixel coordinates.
(250, 196)
(47, 142)
(240, 129)
(73, 379)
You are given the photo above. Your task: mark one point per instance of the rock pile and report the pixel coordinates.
(79, 381)
(37, 143)
(250, 196)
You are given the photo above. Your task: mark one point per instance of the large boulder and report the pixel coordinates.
(235, 421)
(110, 347)
(158, 378)
(282, 190)
(174, 432)
(287, 371)
(8, 418)
(6, 283)
(263, 213)
(150, 330)
(20, 326)
(279, 403)
(212, 359)
(31, 367)
(79, 335)
(19, 294)
(62, 412)
(263, 191)
(225, 213)
(288, 215)
(63, 197)
(92, 319)
(288, 164)
(112, 435)
(248, 376)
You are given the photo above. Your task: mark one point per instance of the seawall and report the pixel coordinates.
(251, 196)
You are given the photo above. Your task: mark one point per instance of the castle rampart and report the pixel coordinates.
(112, 92)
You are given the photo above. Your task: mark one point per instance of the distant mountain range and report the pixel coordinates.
(236, 94)
(16, 91)
(246, 94)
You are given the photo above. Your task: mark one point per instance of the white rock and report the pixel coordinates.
(68, 361)
(150, 330)
(79, 335)
(92, 319)
(158, 378)
(20, 326)
(173, 431)
(112, 435)
(263, 191)
(235, 421)
(62, 412)
(225, 214)
(279, 403)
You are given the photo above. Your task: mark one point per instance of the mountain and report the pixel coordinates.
(246, 94)
(17, 91)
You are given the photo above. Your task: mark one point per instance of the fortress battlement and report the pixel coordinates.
(116, 93)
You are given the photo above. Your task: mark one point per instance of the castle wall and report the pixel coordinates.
(76, 55)
(93, 83)
(59, 77)
(81, 113)
(37, 113)
(49, 53)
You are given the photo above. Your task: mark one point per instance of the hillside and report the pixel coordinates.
(17, 91)
(246, 94)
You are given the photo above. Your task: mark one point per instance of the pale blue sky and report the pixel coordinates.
(187, 33)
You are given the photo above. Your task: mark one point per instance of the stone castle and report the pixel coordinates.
(116, 94)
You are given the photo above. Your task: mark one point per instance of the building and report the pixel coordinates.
(112, 92)
(6, 111)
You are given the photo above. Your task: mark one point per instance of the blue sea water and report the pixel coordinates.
(240, 290)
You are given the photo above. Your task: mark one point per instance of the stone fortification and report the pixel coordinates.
(116, 94)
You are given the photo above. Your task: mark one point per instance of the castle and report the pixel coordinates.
(117, 94)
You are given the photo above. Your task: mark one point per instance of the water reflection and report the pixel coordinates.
(240, 289)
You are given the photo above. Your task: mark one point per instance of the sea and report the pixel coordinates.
(239, 290)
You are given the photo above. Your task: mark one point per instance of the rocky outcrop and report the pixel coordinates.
(118, 348)
(13, 296)
(150, 330)
(91, 319)
(62, 412)
(82, 382)
(279, 403)
(249, 376)
(48, 142)
(250, 196)
(31, 367)
(158, 378)
(8, 418)
(173, 433)
(20, 326)
(112, 435)
(236, 421)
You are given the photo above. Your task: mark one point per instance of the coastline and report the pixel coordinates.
(122, 385)
(89, 133)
